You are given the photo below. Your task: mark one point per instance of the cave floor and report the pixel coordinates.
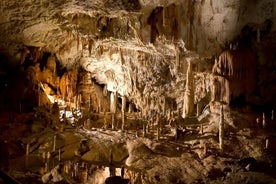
(86, 156)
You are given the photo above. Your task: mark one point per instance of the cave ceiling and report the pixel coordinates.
(135, 47)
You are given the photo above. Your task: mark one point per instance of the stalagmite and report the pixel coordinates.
(188, 105)
(123, 111)
(264, 121)
(221, 128)
(27, 149)
(144, 130)
(272, 115)
(267, 143)
(105, 90)
(158, 133)
(24, 54)
(113, 109)
(197, 109)
(258, 122)
(201, 129)
(148, 128)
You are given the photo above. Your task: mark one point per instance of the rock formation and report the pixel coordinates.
(234, 75)
(125, 77)
(188, 105)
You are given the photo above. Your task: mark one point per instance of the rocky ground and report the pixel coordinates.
(79, 155)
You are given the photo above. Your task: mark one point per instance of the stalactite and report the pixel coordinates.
(90, 43)
(80, 100)
(83, 43)
(130, 108)
(105, 90)
(164, 16)
(24, 54)
(177, 57)
(78, 41)
(238, 67)
(121, 57)
(221, 129)
(75, 101)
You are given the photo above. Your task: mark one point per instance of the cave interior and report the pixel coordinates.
(138, 91)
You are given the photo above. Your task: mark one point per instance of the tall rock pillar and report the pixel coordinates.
(188, 104)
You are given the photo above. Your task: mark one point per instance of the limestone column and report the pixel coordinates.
(221, 128)
(188, 105)
(123, 111)
(113, 102)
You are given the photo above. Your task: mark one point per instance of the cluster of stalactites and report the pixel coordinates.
(229, 65)
(234, 74)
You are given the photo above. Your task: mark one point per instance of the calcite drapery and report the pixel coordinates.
(234, 74)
